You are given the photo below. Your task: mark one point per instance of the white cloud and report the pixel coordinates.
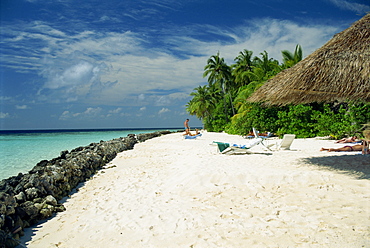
(163, 110)
(65, 115)
(141, 97)
(4, 115)
(5, 98)
(21, 106)
(163, 101)
(143, 108)
(124, 69)
(77, 74)
(71, 83)
(115, 111)
(109, 19)
(125, 114)
(267, 34)
(137, 74)
(348, 5)
(92, 111)
(87, 114)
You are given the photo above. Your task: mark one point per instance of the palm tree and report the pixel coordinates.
(262, 69)
(269, 66)
(290, 59)
(219, 74)
(202, 103)
(244, 64)
(257, 78)
(217, 70)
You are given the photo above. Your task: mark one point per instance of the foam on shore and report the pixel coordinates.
(173, 192)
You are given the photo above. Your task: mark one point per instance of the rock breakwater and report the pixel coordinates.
(26, 199)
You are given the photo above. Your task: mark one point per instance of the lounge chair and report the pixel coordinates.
(260, 137)
(286, 142)
(231, 148)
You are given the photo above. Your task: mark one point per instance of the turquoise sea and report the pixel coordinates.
(20, 151)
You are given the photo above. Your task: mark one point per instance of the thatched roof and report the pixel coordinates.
(339, 70)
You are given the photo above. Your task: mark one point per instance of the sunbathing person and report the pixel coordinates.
(344, 149)
(265, 134)
(187, 132)
(364, 147)
(347, 140)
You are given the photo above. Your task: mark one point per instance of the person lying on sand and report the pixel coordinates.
(187, 132)
(265, 134)
(364, 147)
(344, 149)
(347, 140)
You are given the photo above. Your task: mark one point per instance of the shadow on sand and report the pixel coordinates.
(357, 166)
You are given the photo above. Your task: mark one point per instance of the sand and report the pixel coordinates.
(172, 192)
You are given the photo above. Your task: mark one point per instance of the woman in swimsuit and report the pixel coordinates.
(364, 147)
(344, 148)
(347, 140)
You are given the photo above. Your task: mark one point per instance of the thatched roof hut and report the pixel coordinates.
(339, 70)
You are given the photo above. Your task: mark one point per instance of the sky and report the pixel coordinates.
(84, 64)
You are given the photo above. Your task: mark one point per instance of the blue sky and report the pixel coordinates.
(133, 63)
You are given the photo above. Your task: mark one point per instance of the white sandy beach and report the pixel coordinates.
(172, 192)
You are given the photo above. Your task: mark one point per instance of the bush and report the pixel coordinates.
(262, 118)
(342, 120)
(298, 120)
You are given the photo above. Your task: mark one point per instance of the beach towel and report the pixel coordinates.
(192, 137)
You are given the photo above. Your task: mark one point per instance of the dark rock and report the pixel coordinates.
(59, 208)
(9, 222)
(19, 188)
(7, 204)
(78, 149)
(2, 220)
(10, 242)
(29, 209)
(63, 154)
(39, 168)
(21, 197)
(38, 200)
(50, 200)
(32, 193)
(46, 212)
(3, 237)
(145, 136)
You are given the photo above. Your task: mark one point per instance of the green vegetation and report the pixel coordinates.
(222, 105)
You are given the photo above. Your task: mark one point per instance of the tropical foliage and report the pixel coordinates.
(222, 105)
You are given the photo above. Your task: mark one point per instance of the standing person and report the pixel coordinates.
(186, 125)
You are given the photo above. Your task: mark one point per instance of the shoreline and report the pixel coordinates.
(173, 192)
(20, 152)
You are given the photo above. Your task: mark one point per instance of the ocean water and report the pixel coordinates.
(20, 151)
